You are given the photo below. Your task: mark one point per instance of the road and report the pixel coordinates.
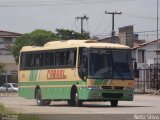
(142, 104)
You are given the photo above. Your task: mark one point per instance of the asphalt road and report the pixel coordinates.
(142, 104)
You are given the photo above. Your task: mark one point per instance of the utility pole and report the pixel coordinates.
(158, 80)
(113, 13)
(82, 19)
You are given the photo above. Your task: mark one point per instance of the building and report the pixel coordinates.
(7, 40)
(145, 54)
(148, 63)
(126, 36)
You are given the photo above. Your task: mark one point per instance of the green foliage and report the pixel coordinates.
(4, 110)
(65, 34)
(35, 38)
(28, 117)
(40, 37)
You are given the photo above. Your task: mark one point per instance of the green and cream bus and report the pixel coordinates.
(76, 71)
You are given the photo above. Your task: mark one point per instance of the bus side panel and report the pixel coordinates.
(55, 93)
(26, 92)
(82, 92)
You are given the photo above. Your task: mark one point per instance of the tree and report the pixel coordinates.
(36, 38)
(65, 34)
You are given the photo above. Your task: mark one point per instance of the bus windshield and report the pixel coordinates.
(110, 64)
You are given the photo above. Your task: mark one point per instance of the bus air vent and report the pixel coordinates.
(112, 95)
(112, 87)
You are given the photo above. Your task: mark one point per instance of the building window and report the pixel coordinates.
(141, 56)
(7, 40)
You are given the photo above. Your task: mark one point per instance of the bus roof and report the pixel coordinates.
(73, 44)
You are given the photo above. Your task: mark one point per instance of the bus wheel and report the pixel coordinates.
(39, 100)
(70, 103)
(77, 102)
(46, 102)
(114, 103)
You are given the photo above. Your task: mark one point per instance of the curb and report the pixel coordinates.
(8, 93)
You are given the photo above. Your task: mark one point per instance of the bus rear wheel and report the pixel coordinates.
(114, 103)
(39, 100)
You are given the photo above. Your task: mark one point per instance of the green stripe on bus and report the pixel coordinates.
(30, 83)
(33, 75)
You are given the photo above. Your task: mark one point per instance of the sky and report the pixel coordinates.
(24, 16)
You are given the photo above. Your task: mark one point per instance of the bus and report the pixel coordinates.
(76, 71)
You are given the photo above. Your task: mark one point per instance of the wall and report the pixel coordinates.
(150, 54)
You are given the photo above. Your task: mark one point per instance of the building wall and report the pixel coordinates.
(126, 35)
(7, 40)
(150, 56)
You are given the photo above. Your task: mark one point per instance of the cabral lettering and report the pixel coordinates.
(56, 74)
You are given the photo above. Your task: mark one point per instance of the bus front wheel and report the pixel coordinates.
(74, 101)
(39, 100)
(114, 103)
(78, 102)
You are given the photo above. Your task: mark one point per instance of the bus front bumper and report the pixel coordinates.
(107, 95)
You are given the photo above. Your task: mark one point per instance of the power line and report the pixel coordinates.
(56, 3)
(141, 17)
(99, 24)
(140, 33)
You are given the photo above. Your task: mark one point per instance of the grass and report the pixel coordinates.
(6, 112)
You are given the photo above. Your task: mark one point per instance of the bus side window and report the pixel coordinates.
(29, 60)
(46, 59)
(83, 63)
(23, 61)
(71, 58)
(38, 60)
(60, 58)
(49, 59)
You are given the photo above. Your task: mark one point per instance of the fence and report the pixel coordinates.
(148, 81)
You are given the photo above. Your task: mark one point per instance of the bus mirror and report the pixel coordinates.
(136, 73)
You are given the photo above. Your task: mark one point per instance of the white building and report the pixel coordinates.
(145, 54)
(146, 58)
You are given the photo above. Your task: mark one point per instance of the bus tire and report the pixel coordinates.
(70, 103)
(78, 102)
(114, 103)
(39, 100)
(74, 101)
(46, 102)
